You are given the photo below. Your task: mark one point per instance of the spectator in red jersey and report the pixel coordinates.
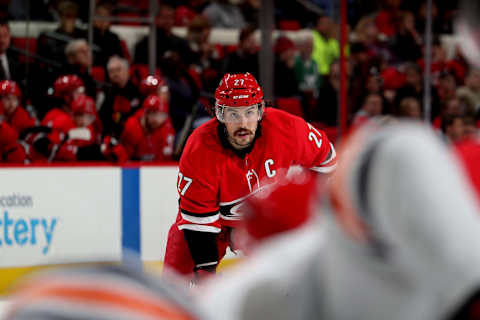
(122, 99)
(16, 116)
(150, 137)
(10, 150)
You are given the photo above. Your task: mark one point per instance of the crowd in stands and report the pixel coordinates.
(100, 103)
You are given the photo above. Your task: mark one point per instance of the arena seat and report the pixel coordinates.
(290, 25)
(98, 73)
(291, 105)
(21, 43)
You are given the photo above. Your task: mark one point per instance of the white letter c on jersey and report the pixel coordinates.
(270, 173)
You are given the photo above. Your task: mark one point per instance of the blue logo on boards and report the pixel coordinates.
(27, 231)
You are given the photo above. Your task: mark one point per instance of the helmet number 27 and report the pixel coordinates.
(314, 135)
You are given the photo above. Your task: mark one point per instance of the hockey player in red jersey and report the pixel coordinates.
(15, 115)
(155, 85)
(10, 150)
(225, 159)
(83, 133)
(67, 88)
(150, 136)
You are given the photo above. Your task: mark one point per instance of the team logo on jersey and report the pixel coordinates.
(253, 180)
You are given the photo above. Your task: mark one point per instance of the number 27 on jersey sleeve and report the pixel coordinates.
(315, 136)
(183, 183)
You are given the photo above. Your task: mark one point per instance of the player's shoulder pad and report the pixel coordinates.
(203, 143)
(280, 119)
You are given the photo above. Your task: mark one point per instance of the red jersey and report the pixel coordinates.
(148, 146)
(10, 149)
(67, 151)
(214, 179)
(58, 119)
(20, 119)
(468, 151)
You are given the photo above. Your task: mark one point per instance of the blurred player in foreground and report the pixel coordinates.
(226, 159)
(101, 293)
(396, 240)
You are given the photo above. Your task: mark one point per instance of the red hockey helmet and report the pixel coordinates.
(150, 85)
(83, 104)
(154, 103)
(66, 84)
(238, 90)
(10, 87)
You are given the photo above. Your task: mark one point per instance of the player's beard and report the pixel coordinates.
(242, 138)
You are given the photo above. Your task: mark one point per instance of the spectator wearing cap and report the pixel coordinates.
(15, 115)
(325, 48)
(285, 83)
(122, 98)
(245, 57)
(150, 136)
(107, 43)
(79, 59)
(224, 14)
(51, 45)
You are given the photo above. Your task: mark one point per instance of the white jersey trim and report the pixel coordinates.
(324, 169)
(207, 264)
(196, 227)
(200, 220)
(332, 156)
(234, 201)
(231, 218)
